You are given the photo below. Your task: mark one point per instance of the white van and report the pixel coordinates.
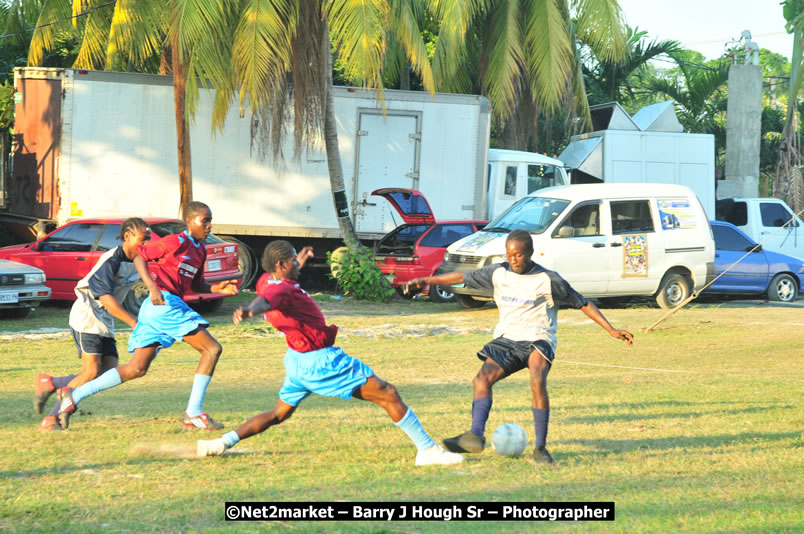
(606, 240)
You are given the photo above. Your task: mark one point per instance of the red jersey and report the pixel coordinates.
(174, 262)
(295, 314)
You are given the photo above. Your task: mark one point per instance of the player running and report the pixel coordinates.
(92, 316)
(312, 363)
(528, 297)
(177, 262)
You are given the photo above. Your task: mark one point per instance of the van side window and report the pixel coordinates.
(630, 216)
(509, 187)
(540, 176)
(773, 214)
(583, 221)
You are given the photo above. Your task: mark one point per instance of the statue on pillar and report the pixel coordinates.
(751, 49)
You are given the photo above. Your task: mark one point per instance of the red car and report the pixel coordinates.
(68, 253)
(416, 248)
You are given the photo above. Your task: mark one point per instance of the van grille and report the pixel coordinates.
(465, 259)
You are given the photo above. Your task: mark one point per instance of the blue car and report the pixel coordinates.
(761, 272)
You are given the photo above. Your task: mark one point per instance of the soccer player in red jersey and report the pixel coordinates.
(176, 265)
(312, 363)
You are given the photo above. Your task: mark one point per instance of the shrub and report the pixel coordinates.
(358, 275)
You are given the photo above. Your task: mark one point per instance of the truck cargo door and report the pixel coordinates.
(387, 156)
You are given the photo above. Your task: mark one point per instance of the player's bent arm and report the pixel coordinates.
(258, 305)
(593, 313)
(305, 254)
(142, 269)
(117, 311)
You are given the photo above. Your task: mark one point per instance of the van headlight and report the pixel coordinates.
(446, 257)
(495, 259)
(36, 278)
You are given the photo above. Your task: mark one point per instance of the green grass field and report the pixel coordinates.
(715, 448)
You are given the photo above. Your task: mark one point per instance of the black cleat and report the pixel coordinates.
(541, 456)
(466, 442)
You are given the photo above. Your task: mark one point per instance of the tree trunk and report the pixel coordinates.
(182, 131)
(334, 162)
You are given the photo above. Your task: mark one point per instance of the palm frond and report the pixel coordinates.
(504, 74)
(191, 23)
(601, 25)
(404, 17)
(44, 37)
(92, 54)
(358, 28)
(136, 31)
(549, 52)
(451, 60)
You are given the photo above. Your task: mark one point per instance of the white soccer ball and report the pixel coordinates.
(509, 440)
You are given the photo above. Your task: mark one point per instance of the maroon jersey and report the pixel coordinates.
(174, 262)
(295, 314)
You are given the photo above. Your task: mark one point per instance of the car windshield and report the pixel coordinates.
(177, 227)
(402, 239)
(533, 214)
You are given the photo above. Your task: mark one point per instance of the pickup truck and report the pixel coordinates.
(769, 221)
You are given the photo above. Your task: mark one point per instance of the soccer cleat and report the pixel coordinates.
(466, 442)
(202, 421)
(66, 407)
(49, 423)
(44, 389)
(541, 456)
(210, 447)
(436, 455)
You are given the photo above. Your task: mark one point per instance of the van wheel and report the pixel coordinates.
(442, 294)
(673, 290)
(135, 298)
(783, 288)
(468, 302)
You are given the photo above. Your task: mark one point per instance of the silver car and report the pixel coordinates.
(22, 288)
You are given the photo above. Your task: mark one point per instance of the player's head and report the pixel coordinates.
(133, 233)
(518, 250)
(279, 259)
(198, 217)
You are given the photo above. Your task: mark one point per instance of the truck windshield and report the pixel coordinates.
(533, 214)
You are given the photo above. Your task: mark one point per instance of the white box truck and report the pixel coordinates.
(91, 143)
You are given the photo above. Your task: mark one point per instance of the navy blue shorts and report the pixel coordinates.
(94, 344)
(514, 355)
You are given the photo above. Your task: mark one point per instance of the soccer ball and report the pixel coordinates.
(509, 440)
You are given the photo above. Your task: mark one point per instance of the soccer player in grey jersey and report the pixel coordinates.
(528, 297)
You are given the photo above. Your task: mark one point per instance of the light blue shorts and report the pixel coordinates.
(329, 372)
(164, 324)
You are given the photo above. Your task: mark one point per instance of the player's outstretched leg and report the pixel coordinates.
(539, 366)
(45, 386)
(473, 440)
(210, 350)
(257, 424)
(385, 395)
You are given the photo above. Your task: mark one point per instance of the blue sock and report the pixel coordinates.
(480, 414)
(230, 439)
(195, 406)
(62, 381)
(107, 380)
(540, 419)
(413, 428)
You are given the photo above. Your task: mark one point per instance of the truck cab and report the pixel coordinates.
(768, 221)
(513, 175)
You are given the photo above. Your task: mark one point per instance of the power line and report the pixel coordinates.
(87, 12)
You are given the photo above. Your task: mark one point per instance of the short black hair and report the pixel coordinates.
(130, 225)
(191, 209)
(523, 237)
(275, 252)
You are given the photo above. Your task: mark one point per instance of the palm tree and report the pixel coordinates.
(522, 55)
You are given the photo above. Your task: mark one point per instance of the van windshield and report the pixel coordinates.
(533, 214)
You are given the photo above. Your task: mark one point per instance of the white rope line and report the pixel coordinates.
(626, 367)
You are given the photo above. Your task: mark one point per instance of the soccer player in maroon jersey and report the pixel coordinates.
(177, 264)
(313, 364)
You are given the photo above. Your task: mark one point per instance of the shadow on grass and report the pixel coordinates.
(630, 416)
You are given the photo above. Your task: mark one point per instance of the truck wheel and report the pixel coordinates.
(783, 288)
(468, 302)
(442, 294)
(247, 261)
(135, 298)
(673, 290)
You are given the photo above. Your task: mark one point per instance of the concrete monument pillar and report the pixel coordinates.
(743, 130)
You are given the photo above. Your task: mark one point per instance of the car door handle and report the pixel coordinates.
(598, 245)
(81, 258)
(717, 255)
(615, 244)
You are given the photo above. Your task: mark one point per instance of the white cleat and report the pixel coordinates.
(437, 455)
(210, 447)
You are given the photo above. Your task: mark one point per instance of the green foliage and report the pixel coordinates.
(358, 275)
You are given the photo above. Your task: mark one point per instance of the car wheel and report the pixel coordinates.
(468, 302)
(783, 288)
(673, 290)
(442, 294)
(207, 306)
(246, 261)
(135, 298)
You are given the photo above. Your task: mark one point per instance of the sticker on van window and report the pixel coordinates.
(479, 240)
(676, 214)
(635, 255)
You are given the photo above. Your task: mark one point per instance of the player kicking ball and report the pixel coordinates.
(528, 297)
(312, 363)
